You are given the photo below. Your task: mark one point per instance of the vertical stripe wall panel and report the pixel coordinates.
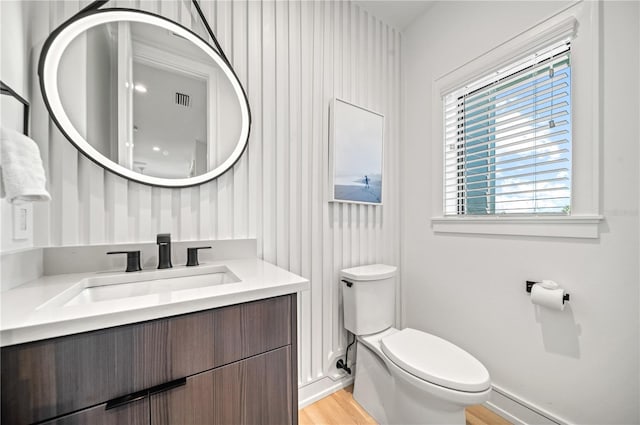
(292, 57)
(306, 75)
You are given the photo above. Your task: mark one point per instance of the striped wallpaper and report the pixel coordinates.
(293, 57)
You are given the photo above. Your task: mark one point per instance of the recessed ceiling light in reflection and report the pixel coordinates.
(165, 153)
(140, 88)
(156, 149)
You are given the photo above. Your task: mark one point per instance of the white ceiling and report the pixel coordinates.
(173, 129)
(397, 13)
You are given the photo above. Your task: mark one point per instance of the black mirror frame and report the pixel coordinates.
(95, 7)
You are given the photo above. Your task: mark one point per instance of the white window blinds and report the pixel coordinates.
(507, 139)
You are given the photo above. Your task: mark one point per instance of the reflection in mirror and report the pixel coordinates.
(154, 102)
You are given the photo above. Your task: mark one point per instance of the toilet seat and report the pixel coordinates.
(435, 360)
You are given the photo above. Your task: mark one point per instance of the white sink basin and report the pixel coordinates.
(142, 284)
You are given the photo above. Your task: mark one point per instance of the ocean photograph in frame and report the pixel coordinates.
(356, 149)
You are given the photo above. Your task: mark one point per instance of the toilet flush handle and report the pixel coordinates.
(349, 284)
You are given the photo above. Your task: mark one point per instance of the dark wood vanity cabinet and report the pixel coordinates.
(230, 365)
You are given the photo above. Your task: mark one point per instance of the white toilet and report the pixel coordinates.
(405, 376)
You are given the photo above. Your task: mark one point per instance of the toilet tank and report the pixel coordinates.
(368, 295)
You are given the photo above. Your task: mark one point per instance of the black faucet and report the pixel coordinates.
(133, 260)
(192, 255)
(164, 250)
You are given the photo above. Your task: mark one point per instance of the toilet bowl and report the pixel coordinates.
(405, 376)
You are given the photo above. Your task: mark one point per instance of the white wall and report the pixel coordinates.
(581, 365)
(14, 60)
(293, 58)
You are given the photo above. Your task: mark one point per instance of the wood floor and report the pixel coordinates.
(341, 409)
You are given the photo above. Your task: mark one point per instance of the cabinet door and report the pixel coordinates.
(136, 413)
(252, 391)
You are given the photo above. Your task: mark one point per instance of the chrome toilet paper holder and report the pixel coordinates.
(529, 284)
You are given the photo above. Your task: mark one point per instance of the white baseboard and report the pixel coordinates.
(321, 388)
(511, 407)
(519, 411)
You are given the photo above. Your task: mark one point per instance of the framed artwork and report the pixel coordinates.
(356, 149)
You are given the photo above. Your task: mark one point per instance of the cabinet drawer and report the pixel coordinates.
(252, 391)
(50, 378)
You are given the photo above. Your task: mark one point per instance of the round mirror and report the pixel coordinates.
(144, 97)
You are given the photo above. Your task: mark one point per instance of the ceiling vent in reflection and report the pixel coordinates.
(183, 99)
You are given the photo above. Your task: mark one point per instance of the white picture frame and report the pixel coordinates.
(356, 154)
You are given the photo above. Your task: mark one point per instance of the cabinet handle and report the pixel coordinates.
(168, 386)
(125, 399)
(139, 395)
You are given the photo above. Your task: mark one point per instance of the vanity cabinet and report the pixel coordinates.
(234, 364)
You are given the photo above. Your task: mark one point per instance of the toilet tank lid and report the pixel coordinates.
(370, 272)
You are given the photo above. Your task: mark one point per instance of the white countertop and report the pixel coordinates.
(30, 313)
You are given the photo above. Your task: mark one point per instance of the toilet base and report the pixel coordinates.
(390, 399)
(412, 407)
(373, 385)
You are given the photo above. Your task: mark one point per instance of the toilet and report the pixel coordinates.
(405, 376)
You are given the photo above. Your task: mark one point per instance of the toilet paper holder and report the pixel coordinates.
(530, 283)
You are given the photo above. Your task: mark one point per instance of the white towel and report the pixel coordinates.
(23, 177)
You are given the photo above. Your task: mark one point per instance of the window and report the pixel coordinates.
(507, 139)
(488, 179)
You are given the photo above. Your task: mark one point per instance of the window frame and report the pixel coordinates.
(581, 22)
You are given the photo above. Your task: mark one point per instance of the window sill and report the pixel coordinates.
(560, 227)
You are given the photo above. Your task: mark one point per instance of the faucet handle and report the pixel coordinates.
(133, 260)
(192, 255)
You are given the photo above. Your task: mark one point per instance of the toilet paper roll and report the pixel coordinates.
(550, 298)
